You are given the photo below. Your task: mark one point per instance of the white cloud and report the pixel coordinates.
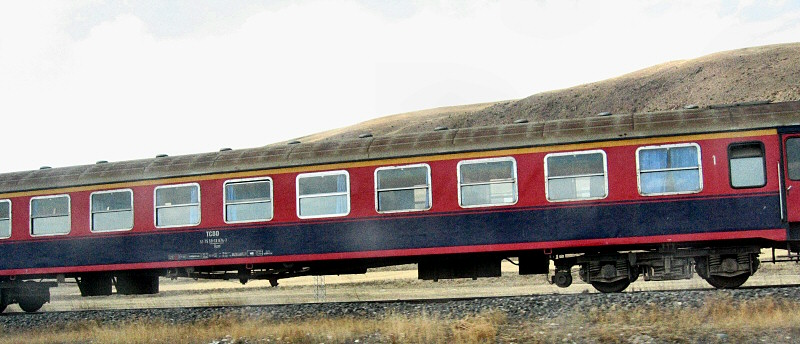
(123, 91)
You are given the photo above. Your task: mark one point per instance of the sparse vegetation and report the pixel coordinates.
(393, 328)
(719, 319)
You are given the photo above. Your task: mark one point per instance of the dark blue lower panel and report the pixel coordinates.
(422, 230)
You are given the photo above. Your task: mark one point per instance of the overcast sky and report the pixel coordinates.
(84, 81)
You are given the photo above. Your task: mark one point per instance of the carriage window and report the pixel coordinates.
(404, 188)
(669, 169)
(5, 219)
(747, 167)
(248, 200)
(178, 205)
(576, 176)
(50, 215)
(793, 158)
(487, 182)
(324, 194)
(112, 210)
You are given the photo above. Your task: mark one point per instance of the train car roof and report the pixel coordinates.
(747, 116)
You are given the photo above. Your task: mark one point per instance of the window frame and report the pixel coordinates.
(763, 161)
(199, 205)
(10, 216)
(91, 211)
(429, 187)
(320, 174)
(547, 177)
(668, 146)
(30, 214)
(485, 160)
(245, 181)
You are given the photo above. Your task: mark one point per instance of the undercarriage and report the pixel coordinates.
(609, 272)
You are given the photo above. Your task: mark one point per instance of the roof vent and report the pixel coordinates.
(691, 106)
(45, 168)
(521, 121)
(604, 114)
(722, 106)
(293, 142)
(224, 149)
(101, 162)
(161, 156)
(364, 136)
(440, 128)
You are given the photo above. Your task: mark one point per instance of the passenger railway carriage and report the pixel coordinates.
(657, 195)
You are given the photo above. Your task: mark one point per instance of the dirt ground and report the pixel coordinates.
(380, 284)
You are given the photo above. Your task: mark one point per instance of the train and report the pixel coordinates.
(609, 198)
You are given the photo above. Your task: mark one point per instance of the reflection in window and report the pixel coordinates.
(746, 162)
(669, 169)
(576, 176)
(5, 218)
(487, 182)
(112, 210)
(248, 200)
(50, 215)
(178, 205)
(404, 188)
(323, 194)
(793, 158)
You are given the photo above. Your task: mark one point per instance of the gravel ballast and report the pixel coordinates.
(538, 307)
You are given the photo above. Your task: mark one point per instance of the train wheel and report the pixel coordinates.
(611, 287)
(563, 278)
(31, 303)
(722, 282)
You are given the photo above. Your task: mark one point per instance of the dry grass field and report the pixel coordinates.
(422, 328)
(719, 320)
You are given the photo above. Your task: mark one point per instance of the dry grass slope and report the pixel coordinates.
(752, 74)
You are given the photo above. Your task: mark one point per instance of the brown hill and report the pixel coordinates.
(751, 74)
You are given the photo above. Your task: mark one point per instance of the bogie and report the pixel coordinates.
(725, 268)
(30, 296)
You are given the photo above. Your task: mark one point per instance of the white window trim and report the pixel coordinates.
(478, 161)
(320, 174)
(676, 145)
(30, 215)
(91, 211)
(547, 177)
(244, 181)
(198, 204)
(10, 223)
(429, 186)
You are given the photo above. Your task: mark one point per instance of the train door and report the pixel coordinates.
(791, 151)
